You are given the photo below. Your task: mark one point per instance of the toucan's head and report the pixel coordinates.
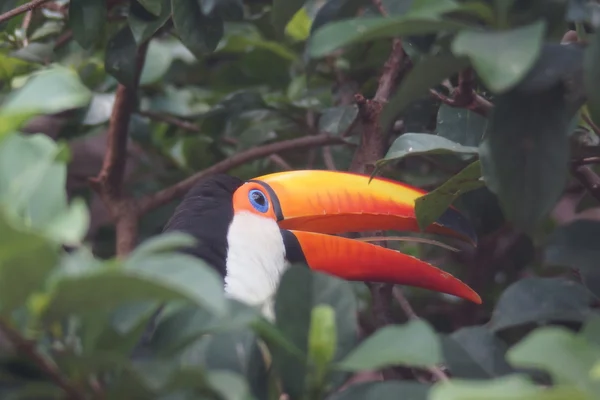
(251, 231)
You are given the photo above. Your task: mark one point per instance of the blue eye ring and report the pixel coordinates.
(258, 200)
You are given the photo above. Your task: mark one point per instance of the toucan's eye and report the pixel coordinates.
(258, 200)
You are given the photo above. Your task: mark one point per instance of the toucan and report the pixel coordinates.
(251, 231)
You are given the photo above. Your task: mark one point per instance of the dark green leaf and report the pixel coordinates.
(301, 289)
(524, 157)
(87, 19)
(120, 59)
(514, 387)
(475, 353)
(591, 76)
(569, 357)
(574, 245)
(164, 242)
(412, 344)
(429, 207)
(143, 24)
(335, 10)
(501, 58)
(283, 11)
(337, 120)
(49, 91)
(198, 32)
(429, 71)
(25, 261)
(156, 7)
(415, 144)
(460, 125)
(338, 34)
(229, 385)
(390, 390)
(540, 300)
(591, 279)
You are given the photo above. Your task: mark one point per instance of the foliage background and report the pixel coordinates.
(110, 110)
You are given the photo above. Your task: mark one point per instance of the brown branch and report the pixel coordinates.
(464, 95)
(21, 9)
(25, 27)
(28, 349)
(171, 120)
(179, 189)
(588, 178)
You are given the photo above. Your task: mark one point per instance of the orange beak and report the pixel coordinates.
(315, 204)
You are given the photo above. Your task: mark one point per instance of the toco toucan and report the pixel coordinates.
(250, 231)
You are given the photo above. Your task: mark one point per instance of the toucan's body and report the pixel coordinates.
(251, 231)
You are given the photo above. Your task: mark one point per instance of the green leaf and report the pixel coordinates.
(335, 10)
(301, 289)
(322, 336)
(162, 277)
(336, 120)
(32, 189)
(416, 144)
(591, 76)
(198, 32)
(574, 245)
(413, 344)
(501, 58)
(525, 156)
(474, 352)
(429, 71)
(144, 24)
(335, 35)
(429, 207)
(156, 7)
(299, 26)
(25, 261)
(164, 242)
(513, 387)
(534, 300)
(229, 385)
(48, 91)
(567, 356)
(283, 11)
(120, 57)
(388, 390)
(460, 125)
(87, 19)
(11, 66)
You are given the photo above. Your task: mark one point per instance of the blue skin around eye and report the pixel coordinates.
(263, 208)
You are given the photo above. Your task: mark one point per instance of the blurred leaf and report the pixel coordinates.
(87, 19)
(428, 72)
(513, 387)
(574, 245)
(413, 344)
(334, 10)
(120, 57)
(539, 300)
(32, 188)
(591, 76)
(322, 338)
(556, 63)
(158, 61)
(337, 120)
(198, 32)
(335, 35)
(229, 385)
(299, 291)
(429, 207)
(48, 91)
(501, 58)
(162, 277)
(415, 144)
(388, 390)
(25, 261)
(165, 242)
(474, 352)
(283, 11)
(11, 66)
(566, 355)
(525, 155)
(144, 24)
(156, 7)
(460, 125)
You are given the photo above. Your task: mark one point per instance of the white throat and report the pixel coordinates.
(255, 260)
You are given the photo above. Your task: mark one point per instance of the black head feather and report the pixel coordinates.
(205, 213)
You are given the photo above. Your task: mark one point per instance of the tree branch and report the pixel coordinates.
(158, 199)
(588, 178)
(27, 349)
(464, 95)
(21, 9)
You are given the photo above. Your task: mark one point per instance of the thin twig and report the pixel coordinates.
(25, 27)
(464, 95)
(588, 178)
(171, 120)
(28, 349)
(21, 9)
(179, 189)
(410, 313)
(328, 158)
